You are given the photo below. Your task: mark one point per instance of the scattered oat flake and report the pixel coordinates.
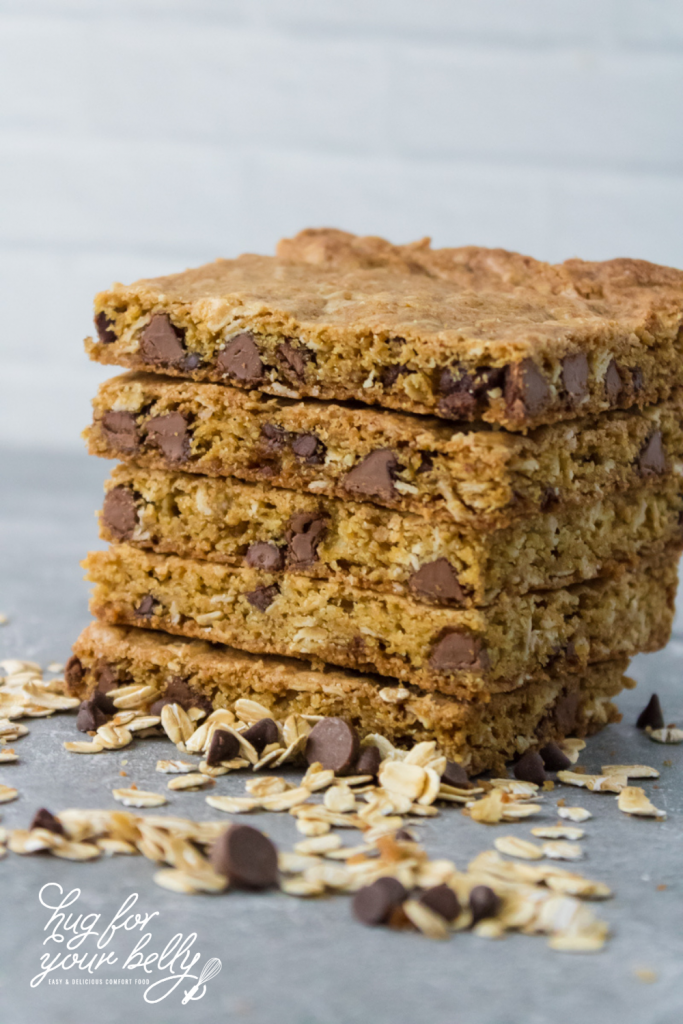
(8, 755)
(174, 767)
(669, 734)
(633, 800)
(8, 793)
(3, 619)
(195, 780)
(516, 847)
(560, 850)
(594, 783)
(138, 797)
(646, 975)
(631, 771)
(429, 923)
(558, 832)
(573, 813)
(572, 748)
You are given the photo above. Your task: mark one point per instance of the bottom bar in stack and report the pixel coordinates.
(481, 736)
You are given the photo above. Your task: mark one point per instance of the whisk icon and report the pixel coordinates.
(210, 969)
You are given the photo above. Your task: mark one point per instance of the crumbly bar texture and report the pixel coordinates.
(479, 736)
(480, 477)
(464, 334)
(252, 524)
(465, 652)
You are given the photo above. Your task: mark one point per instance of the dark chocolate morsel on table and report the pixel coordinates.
(483, 903)
(103, 326)
(368, 762)
(119, 513)
(437, 581)
(262, 733)
(121, 431)
(246, 858)
(162, 343)
(442, 900)
(334, 743)
(373, 904)
(374, 476)
(262, 597)
(266, 556)
(554, 758)
(241, 359)
(91, 716)
(171, 435)
(651, 716)
(530, 768)
(224, 746)
(456, 776)
(46, 819)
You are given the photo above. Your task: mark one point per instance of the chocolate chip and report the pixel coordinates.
(292, 359)
(426, 464)
(334, 743)
(245, 857)
(274, 438)
(554, 759)
(455, 775)
(262, 733)
(103, 702)
(145, 609)
(170, 433)
(374, 476)
(90, 716)
(437, 581)
(369, 761)
(390, 374)
(266, 556)
(306, 446)
(121, 431)
(457, 652)
(575, 376)
(191, 362)
(240, 359)
(651, 715)
(613, 382)
(526, 391)
(103, 326)
(262, 597)
(483, 902)
(565, 713)
(442, 900)
(303, 535)
(652, 460)
(74, 673)
(119, 513)
(373, 904)
(46, 819)
(224, 746)
(530, 768)
(107, 678)
(464, 390)
(162, 343)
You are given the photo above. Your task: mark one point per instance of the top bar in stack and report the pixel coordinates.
(463, 334)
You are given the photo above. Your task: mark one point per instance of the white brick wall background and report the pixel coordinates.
(138, 137)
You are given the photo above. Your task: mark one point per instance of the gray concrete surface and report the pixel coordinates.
(286, 960)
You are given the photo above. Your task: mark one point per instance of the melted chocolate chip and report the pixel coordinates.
(530, 768)
(145, 609)
(613, 382)
(390, 374)
(263, 555)
(178, 691)
(262, 733)
(119, 513)
(374, 476)
(240, 359)
(554, 759)
(292, 359)
(566, 712)
(171, 435)
(46, 819)
(442, 900)
(107, 678)
(374, 904)
(437, 581)
(575, 377)
(74, 673)
(526, 391)
(274, 438)
(651, 715)
(334, 743)
(310, 448)
(162, 343)
(652, 460)
(464, 390)
(121, 431)
(304, 533)
(246, 858)
(224, 746)
(458, 652)
(262, 597)
(103, 326)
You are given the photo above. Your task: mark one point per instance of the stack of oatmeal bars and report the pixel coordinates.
(434, 492)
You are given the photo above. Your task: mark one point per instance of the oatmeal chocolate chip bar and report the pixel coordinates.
(449, 650)
(463, 334)
(252, 524)
(479, 736)
(482, 478)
